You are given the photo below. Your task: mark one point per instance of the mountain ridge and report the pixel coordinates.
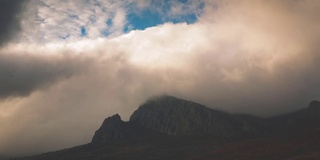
(177, 117)
(174, 116)
(167, 127)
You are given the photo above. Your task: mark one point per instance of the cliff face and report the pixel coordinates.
(111, 130)
(313, 110)
(175, 116)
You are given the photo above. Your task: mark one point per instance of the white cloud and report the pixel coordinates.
(48, 21)
(59, 20)
(118, 22)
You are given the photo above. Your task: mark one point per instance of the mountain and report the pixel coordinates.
(167, 127)
(112, 129)
(308, 117)
(174, 116)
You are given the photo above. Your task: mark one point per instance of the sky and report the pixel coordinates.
(65, 65)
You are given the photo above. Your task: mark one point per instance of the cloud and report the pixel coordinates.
(23, 73)
(176, 9)
(267, 51)
(10, 12)
(58, 20)
(258, 57)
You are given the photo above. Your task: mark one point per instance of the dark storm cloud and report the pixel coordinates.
(20, 75)
(10, 12)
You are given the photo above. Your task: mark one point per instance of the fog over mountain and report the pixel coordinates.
(66, 65)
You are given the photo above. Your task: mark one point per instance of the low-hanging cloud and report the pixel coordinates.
(258, 57)
(10, 14)
(21, 74)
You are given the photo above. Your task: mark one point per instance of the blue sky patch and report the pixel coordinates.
(101, 18)
(83, 31)
(150, 19)
(159, 13)
(144, 20)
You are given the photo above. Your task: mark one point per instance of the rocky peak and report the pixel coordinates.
(174, 116)
(314, 104)
(112, 129)
(114, 118)
(314, 109)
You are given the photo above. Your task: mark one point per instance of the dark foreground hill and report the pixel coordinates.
(170, 128)
(2, 157)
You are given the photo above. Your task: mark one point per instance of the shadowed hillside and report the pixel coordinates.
(171, 128)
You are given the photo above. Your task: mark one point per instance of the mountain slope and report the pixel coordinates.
(307, 117)
(171, 128)
(174, 116)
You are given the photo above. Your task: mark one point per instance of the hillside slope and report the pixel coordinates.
(171, 128)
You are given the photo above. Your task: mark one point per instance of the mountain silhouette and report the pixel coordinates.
(174, 116)
(167, 127)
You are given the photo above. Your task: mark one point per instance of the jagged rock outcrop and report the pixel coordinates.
(313, 110)
(111, 130)
(175, 116)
